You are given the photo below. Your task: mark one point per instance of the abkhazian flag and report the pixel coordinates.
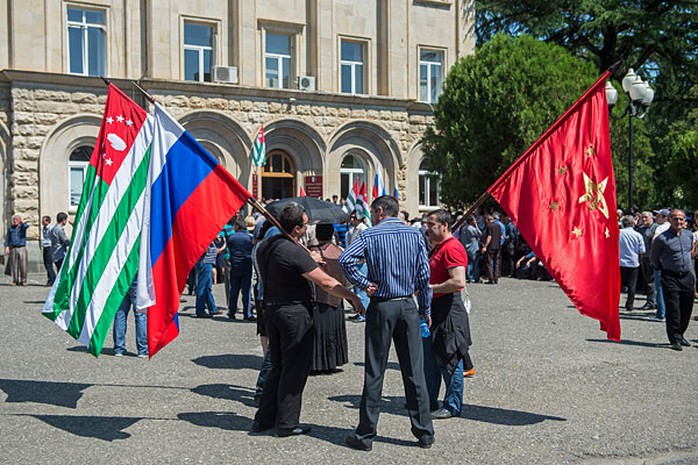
(189, 200)
(561, 194)
(259, 149)
(103, 257)
(350, 202)
(362, 206)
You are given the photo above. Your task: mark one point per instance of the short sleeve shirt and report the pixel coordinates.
(282, 265)
(449, 254)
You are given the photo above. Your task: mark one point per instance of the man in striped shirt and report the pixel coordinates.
(398, 268)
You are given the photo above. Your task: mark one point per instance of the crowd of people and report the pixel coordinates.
(405, 279)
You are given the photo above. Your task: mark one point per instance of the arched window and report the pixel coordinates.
(77, 168)
(352, 168)
(428, 186)
(278, 176)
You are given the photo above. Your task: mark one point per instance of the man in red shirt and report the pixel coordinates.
(447, 346)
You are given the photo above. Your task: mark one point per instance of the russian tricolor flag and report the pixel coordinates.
(189, 198)
(378, 185)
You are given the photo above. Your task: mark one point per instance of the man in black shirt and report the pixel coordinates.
(287, 270)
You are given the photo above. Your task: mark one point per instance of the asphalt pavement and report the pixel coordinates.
(549, 389)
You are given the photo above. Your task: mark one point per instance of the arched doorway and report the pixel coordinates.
(278, 176)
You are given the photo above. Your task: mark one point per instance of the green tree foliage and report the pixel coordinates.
(681, 142)
(495, 104)
(659, 39)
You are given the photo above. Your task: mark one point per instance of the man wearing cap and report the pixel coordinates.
(672, 254)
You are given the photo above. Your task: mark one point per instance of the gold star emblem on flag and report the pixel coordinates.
(594, 195)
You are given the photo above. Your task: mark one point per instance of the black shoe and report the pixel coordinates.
(204, 315)
(425, 443)
(648, 307)
(357, 444)
(676, 346)
(684, 342)
(251, 319)
(231, 315)
(441, 414)
(297, 431)
(257, 427)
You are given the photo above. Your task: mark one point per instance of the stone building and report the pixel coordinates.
(343, 88)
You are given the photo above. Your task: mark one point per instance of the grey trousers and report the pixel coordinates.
(395, 320)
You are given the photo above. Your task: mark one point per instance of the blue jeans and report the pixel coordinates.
(434, 371)
(659, 295)
(240, 282)
(472, 272)
(363, 269)
(204, 289)
(120, 325)
(263, 372)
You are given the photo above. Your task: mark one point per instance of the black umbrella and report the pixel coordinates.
(319, 211)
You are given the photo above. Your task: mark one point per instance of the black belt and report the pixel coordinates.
(676, 274)
(388, 299)
(289, 302)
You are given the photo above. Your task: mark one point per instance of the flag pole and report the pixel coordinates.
(150, 98)
(470, 210)
(260, 208)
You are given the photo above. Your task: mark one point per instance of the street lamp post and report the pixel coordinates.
(640, 96)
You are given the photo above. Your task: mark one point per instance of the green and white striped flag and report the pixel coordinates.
(352, 196)
(259, 150)
(103, 257)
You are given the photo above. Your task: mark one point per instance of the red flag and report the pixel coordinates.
(301, 192)
(561, 193)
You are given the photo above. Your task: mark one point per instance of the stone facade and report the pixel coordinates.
(46, 112)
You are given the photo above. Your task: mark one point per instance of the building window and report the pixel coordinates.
(428, 187)
(77, 168)
(430, 75)
(87, 42)
(352, 67)
(278, 56)
(352, 168)
(198, 52)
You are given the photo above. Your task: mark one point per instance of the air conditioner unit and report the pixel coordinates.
(227, 74)
(306, 83)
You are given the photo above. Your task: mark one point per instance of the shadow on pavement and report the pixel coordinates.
(223, 420)
(43, 392)
(393, 404)
(230, 361)
(502, 416)
(627, 342)
(241, 394)
(104, 428)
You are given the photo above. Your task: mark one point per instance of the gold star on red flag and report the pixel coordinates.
(577, 232)
(590, 151)
(594, 195)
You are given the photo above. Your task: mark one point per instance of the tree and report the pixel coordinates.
(495, 104)
(682, 147)
(657, 38)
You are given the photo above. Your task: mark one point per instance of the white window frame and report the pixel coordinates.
(428, 178)
(431, 65)
(353, 173)
(84, 26)
(76, 165)
(279, 57)
(200, 50)
(353, 65)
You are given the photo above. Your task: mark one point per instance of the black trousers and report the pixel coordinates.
(395, 320)
(48, 264)
(290, 332)
(678, 297)
(493, 262)
(628, 278)
(648, 276)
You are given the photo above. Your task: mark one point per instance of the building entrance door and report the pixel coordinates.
(278, 176)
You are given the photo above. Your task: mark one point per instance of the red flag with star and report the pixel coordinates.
(561, 194)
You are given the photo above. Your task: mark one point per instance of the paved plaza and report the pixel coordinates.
(549, 389)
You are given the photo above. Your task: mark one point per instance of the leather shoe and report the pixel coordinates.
(684, 342)
(357, 444)
(441, 414)
(257, 427)
(648, 307)
(297, 431)
(425, 443)
(676, 346)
